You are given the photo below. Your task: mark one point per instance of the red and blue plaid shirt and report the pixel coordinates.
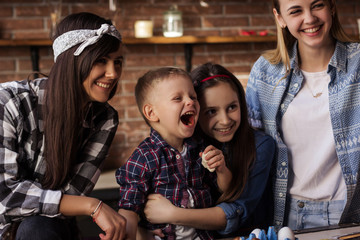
(156, 167)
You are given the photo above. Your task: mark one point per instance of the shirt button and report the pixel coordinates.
(281, 194)
(238, 211)
(177, 157)
(301, 204)
(296, 85)
(282, 105)
(283, 164)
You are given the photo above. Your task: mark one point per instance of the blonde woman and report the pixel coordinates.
(305, 95)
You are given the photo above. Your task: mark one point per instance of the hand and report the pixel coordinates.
(215, 158)
(144, 234)
(159, 210)
(111, 222)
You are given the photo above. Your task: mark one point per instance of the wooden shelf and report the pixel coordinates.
(187, 41)
(194, 40)
(152, 40)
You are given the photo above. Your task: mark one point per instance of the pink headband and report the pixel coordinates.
(208, 78)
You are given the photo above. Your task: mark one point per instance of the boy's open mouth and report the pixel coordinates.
(188, 118)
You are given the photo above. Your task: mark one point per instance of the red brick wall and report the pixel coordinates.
(22, 19)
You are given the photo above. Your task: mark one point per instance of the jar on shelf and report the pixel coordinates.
(172, 26)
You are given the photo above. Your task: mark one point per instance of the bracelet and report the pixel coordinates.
(96, 209)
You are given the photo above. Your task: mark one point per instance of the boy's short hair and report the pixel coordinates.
(150, 79)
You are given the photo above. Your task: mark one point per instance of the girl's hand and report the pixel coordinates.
(159, 210)
(111, 222)
(215, 158)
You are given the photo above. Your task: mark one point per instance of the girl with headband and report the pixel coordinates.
(55, 134)
(248, 152)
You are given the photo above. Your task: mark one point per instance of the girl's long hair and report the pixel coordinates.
(66, 101)
(285, 40)
(240, 152)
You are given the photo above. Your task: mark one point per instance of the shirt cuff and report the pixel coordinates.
(232, 213)
(50, 201)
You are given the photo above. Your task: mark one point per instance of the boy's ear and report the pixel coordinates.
(149, 113)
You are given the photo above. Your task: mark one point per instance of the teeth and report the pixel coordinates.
(223, 130)
(189, 113)
(103, 85)
(311, 30)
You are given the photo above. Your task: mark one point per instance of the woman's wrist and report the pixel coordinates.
(93, 204)
(96, 211)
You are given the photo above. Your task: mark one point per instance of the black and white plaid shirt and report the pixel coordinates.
(21, 152)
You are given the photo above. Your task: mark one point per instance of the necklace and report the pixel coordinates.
(318, 79)
(318, 94)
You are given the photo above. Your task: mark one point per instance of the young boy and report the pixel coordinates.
(168, 162)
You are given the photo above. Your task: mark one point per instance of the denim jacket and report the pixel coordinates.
(251, 209)
(268, 98)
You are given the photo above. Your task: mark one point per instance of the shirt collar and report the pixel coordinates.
(160, 142)
(94, 113)
(338, 60)
(340, 56)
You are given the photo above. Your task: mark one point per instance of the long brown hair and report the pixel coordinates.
(240, 152)
(285, 40)
(66, 100)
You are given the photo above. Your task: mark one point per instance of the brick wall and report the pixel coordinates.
(29, 19)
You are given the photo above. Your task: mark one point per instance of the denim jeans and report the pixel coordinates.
(302, 214)
(39, 227)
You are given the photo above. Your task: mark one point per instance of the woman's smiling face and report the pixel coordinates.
(220, 114)
(104, 75)
(309, 21)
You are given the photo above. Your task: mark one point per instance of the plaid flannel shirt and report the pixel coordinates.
(22, 152)
(156, 167)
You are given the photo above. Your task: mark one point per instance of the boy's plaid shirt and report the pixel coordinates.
(156, 167)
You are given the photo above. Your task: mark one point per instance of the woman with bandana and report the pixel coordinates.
(55, 134)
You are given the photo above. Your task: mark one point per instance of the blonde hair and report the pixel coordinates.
(285, 40)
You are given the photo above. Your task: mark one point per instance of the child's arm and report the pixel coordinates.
(132, 220)
(158, 209)
(215, 160)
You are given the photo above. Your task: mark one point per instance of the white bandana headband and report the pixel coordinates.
(86, 37)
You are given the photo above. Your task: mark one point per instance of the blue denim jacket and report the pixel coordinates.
(251, 202)
(268, 98)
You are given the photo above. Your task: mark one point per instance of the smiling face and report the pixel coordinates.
(103, 77)
(174, 108)
(220, 114)
(309, 21)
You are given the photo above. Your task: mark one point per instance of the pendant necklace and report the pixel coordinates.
(318, 94)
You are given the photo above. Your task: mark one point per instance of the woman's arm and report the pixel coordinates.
(160, 210)
(111, 222)
(21, 193)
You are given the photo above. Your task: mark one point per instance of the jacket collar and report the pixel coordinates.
(338, 60)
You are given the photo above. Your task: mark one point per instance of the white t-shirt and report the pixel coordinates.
(314, 169)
